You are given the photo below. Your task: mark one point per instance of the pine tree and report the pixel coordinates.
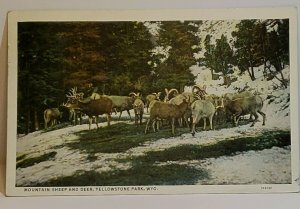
(39, 72)
(224, 57)
(209, 55)
(127, 47)
(246, 44)
(180, 39)
(277, 48)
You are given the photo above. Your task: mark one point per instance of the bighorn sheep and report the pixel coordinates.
(51, 115)
(216, 100)
(202, 109)
(191, 97)
(162, 110)
(152, 97)
(233, 96)
(169, 92)
(244, 106)
(120, 103)
(138, 107)
(199, 90)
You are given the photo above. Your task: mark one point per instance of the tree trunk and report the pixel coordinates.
(212, 74)
(283, 80)
(27, 122)
(36, 121)
(251, 72)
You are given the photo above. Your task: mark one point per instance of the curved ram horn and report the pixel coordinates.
(175, 90)
(133, 94)
(167, 91)
(196, 87)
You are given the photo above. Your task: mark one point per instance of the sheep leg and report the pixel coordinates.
(90, 122)
(120, 114)
(235, 121)
(186, 121)
(263, 115)
(204, 124)
(250, 118)
(255, 118)
(71, 116)
(129, 114)
(179, 122)
(141, 118)
(53, 122)
(75, 118)
(195, 120)
(147, 125)
(238, 119)
(153, 124)
(96, 121)
(160, 124)
(108, 118)
(191, 122)
(193, 129)
(173, 126)
(115, 110)
(80, 118)
(211, 122)
(157, 124)
(136, 119)
(46, 124)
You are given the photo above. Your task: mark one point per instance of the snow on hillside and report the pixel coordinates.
(276, 99)
(216, 29)
(258, 166)
(252, 167)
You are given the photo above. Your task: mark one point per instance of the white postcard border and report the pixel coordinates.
(144, 15)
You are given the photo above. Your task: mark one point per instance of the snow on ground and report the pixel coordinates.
(252, 167)
(276, 99)
(68, 161)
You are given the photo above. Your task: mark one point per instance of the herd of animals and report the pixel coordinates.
(186, 108)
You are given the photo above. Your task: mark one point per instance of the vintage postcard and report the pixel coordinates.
(152, 102)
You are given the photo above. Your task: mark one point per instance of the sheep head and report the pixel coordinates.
(168, 93)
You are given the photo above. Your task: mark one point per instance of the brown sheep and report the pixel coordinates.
(152, 97)
(244, 106)
(202, 109)
(162, 110)
(138, 107)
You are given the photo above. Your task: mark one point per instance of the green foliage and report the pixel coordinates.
(277, 46)
(108, 57)
(39, 84)
(259, 42)
(180, 39)
(218, 57)
(246, 45)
